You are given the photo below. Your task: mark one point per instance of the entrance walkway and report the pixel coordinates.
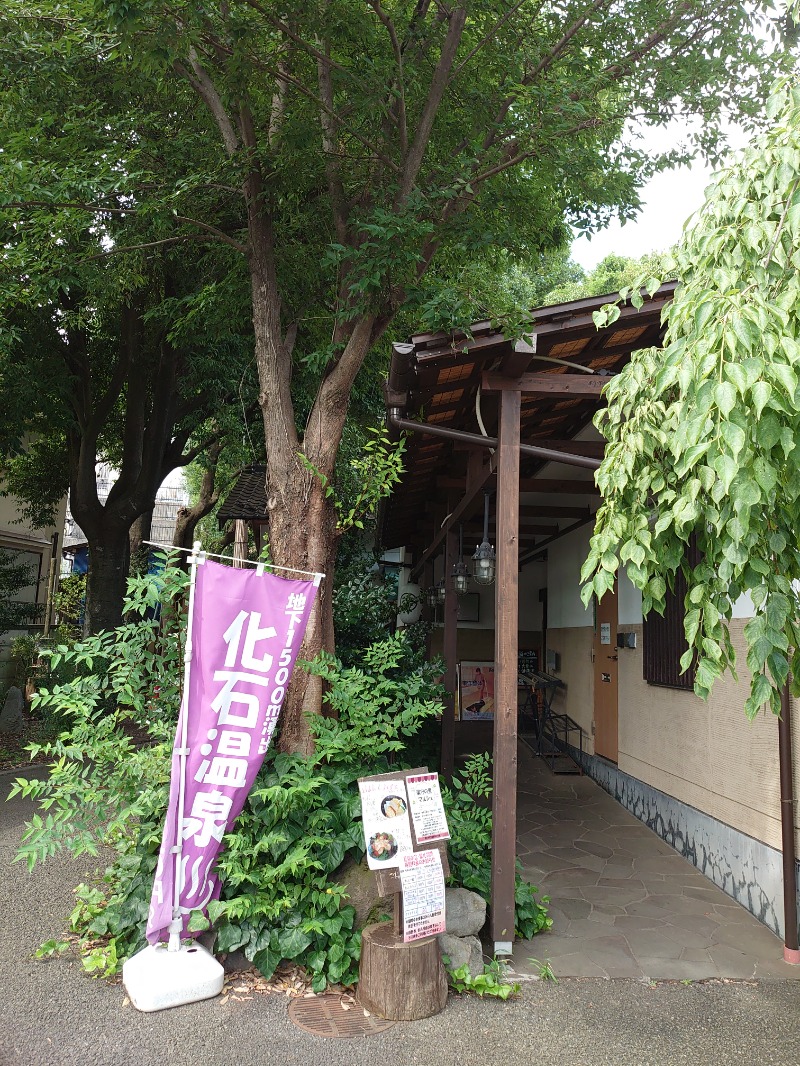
(623, 902)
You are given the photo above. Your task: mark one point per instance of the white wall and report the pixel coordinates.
(565, 558)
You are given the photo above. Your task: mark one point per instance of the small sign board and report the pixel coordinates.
(427, 809)
(422, 880)
(387, 829)
(407, 807)
(605, 632)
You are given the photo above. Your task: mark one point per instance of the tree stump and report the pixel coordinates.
(400, 981)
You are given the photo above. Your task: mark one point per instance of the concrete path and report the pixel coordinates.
(623, 902)
(52, 1014)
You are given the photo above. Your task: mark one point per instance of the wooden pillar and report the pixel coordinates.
(449, 652)
(504, 797)
(240, 541)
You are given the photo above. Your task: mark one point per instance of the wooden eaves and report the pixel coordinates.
(484, 412)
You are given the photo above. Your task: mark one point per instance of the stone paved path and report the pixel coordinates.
(623, 902)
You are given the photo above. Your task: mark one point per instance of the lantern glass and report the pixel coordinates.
(483, 564)
(441, 592)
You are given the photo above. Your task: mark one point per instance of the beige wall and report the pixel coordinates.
(574, 647)
(706, 754)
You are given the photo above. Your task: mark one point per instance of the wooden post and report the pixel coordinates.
(239, 543)
(504, 796)
(449, 651)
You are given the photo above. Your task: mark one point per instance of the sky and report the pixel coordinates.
(669, 199)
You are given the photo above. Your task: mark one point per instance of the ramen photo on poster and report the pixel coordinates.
(476, 691)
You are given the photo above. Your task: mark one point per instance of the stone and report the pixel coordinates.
(462, 951)
(465, 912)
(11, 715)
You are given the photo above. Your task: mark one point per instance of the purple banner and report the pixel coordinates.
(246, 630)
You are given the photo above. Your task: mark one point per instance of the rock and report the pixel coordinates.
(465, 912)
(462, 951)
(360, 884)
(11, 714)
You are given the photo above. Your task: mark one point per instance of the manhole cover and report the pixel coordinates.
(328, 1016)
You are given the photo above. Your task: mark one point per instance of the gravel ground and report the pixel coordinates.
(51, 1014)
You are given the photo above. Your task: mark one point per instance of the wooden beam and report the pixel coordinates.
(553, 384)
(533, 529)
(464, 509)
(556, 485)
(533, 553)
(504, 795)
(546, 510)
(450, 635)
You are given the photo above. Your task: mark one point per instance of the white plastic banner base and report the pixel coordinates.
(157, 978)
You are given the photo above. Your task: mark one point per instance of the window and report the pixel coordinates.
(663, 638)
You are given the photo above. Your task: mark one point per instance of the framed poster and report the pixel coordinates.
(476, 691)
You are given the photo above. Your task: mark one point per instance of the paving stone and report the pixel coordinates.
(644, 911)
(547, 863)
(696, 954)
(731, 963)
(577, 965)
(579, 875)
(587, 929)
(598, 895)
(574, 908)
(652, 944)
(685, 938)
(626, 922)
(601, 850)
(658, 969)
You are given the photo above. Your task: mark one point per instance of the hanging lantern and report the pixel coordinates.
(431, 597)
(483, 561)
(460, 573)
(441, 592)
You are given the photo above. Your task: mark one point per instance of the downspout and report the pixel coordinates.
(791, 951)
(547, 454)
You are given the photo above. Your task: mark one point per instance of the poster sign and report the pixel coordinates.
(605, 632)
(477, 691)
(422, 878)
(387, 828)
(246, 630)
(427, 809)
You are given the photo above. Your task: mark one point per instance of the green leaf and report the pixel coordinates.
(293, 942)
(725, 397)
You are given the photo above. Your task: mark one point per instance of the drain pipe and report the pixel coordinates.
(791, 951)
(547, 454)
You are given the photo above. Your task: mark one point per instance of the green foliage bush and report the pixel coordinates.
(110, 776)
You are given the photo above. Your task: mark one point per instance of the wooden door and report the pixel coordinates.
(606, 686)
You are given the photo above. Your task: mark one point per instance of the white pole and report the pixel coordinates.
(182, 752)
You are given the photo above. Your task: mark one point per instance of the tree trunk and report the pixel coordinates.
(141, 531)
(188, 517)
(303, 534)
(107, 577)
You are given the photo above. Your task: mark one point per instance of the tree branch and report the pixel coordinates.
(438, 85)
(400, 115)
(207, 91)
(329, 123)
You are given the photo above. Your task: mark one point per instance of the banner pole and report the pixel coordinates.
(176, 924)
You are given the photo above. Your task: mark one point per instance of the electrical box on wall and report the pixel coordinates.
(552, 661)
(626, 640)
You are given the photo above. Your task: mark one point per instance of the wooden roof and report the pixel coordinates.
(435, 379)
(247, 499)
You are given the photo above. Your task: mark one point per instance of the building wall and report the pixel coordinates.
(705, 754)
(35, 549)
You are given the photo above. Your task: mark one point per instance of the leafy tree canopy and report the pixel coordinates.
(704, 436)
